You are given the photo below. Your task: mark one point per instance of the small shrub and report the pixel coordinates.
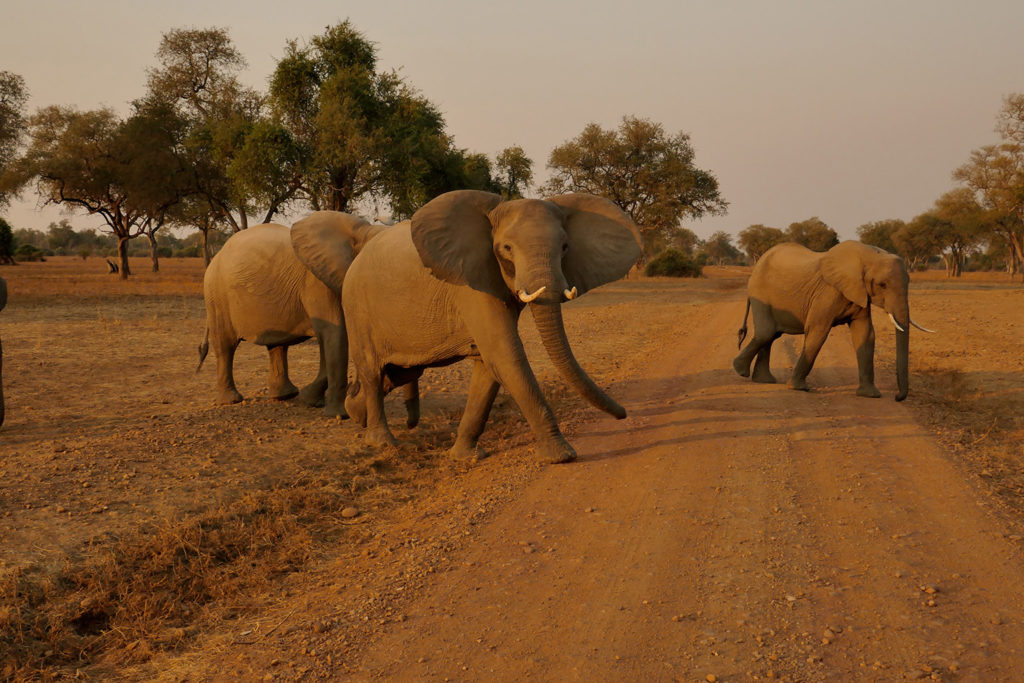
(26, 252)
(673, 263)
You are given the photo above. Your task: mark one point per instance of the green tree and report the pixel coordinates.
(995, 173)
(13, 97)
(917, 243)
(6, 243)
(957, 224)
(813, 233)
(94, 162)
(649, 174)
(720, 250)
(880, 234)
(514, 171)
(757, 239)
(358, 132)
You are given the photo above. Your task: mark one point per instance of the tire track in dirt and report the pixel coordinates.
(734, 529)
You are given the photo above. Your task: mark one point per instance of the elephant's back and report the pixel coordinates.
(786, 260)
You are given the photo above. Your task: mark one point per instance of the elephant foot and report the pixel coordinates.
(764, 378)
(312, 396)
(335, 410)
(467, 453)
(798, 385)
(226, 398)
(869, 391)
(556, 453)
(283, 392)
(380, 438)
(742, 369)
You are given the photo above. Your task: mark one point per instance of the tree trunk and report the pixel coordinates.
(122, 253)
(206, 246)
(152, 252)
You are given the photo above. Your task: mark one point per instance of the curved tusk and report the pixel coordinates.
(923, 329)
(895, 323)
(571, 294)
(527, 298)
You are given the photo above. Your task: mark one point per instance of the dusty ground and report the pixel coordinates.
(725, 529)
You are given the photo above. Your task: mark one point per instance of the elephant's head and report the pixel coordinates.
(531, 251)
(327, 241)
(868, 275)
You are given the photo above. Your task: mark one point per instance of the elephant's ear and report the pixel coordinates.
(842, 266)
(453, 236)
(604, 243)
(327, 241)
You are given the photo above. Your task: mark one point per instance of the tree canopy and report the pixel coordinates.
(757, 239)
(813, 233)
(649, 174)
(13, 97)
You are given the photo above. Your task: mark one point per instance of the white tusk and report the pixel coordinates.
(571, 294)
(923, 329)
(527, 298)
(895, 323)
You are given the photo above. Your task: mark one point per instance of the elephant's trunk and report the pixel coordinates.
(548, 316)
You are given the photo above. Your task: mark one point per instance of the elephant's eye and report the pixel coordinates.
(507, 248)
(881, 285)
(565, 247)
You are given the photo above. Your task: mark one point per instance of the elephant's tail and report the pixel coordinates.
(204, 348)
(742, 334)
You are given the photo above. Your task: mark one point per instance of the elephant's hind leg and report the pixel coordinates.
(762, 364)
(279, 386)
(226, 391)
(482, 390)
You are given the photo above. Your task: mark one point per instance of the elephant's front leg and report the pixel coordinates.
(814, 338)
(370, 395)
(496, 334)
(862, 332)
(482, 390)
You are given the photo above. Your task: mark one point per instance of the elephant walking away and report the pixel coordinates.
(794, 290)
(276, 287)
(451, 283)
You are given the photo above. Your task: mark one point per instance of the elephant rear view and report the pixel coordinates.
(277, 287)
(794, 290)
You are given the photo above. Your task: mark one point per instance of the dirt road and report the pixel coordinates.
(729, 530)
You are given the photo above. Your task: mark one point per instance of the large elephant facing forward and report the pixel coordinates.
(276, 287)
(794, 290)
(451, 284)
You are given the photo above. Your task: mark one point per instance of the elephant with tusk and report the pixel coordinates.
(451, 283)
(794, 290)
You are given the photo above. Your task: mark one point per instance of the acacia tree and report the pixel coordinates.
(514, 171)
(813, 233)
(995, 173)
(720, 249)
(358, 132)
(880, 234)
(123, 171)
(13, 97)
(957, 223)
(757, 239)
(649, 174)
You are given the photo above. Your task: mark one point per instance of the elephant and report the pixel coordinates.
(277, 287)
(3, 302)
(793, 290)
(451, 284)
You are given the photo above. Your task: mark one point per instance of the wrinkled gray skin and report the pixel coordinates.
(276, 287)
(3, 302)
(446, 286)
(794, 290)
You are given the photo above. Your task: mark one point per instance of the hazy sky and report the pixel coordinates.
(849, 111)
